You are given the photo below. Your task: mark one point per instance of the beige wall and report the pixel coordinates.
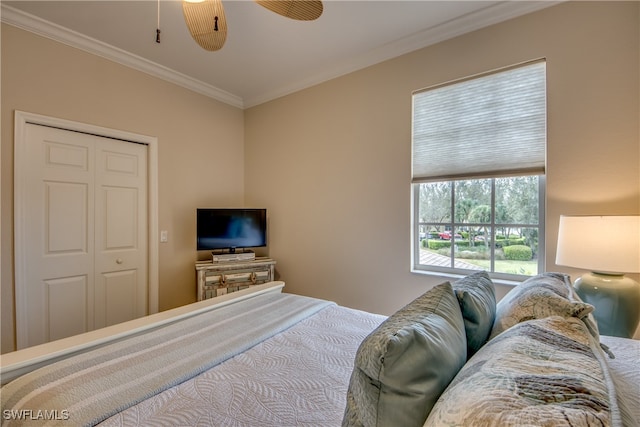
(332, 163)
(200, 145)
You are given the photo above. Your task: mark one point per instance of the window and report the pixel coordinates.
(478, 161)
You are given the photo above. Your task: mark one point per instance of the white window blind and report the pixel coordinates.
(491, 125)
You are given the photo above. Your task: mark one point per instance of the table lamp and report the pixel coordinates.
(608, 246)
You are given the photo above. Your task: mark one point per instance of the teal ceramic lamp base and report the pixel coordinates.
(616, 299)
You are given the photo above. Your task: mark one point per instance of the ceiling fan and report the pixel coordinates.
(208, 26)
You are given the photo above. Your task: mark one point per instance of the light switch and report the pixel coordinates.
(164, 236)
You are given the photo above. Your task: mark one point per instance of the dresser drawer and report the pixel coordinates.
(215, 279)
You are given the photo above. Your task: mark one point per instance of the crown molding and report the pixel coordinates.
(41, 27)
(491, 15)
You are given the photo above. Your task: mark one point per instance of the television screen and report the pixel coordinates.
(227, 228)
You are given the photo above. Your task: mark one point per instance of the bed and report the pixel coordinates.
(258, 357)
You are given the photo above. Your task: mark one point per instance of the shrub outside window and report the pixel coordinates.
(478, 158)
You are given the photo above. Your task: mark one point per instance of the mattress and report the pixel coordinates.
(296, 378)
(300, 378)
(625, 372)
(87, 388)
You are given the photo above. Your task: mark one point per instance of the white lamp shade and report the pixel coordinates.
(606, 244)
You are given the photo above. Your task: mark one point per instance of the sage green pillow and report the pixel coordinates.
(404, 365)
(477, 297)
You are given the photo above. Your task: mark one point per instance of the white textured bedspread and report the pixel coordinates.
(296, 378)
(90, 387)
(625, 371)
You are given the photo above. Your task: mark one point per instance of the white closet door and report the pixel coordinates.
(82, 234)
(121, 232)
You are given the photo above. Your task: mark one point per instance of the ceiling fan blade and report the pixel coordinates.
(302, 10)
(206, 22)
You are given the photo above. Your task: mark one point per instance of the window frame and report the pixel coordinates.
(417, 267)
(429, 134)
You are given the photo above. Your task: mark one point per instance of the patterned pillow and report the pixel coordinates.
(402, 366)
(477, 297)
(547, 371)
(544, 295)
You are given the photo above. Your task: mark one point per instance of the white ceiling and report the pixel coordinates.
(266, 55)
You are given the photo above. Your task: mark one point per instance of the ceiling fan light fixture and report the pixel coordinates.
(301, 10)
(206, 22)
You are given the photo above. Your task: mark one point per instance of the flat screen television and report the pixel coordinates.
(230, 228)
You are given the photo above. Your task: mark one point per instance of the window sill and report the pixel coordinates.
(457, 276)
